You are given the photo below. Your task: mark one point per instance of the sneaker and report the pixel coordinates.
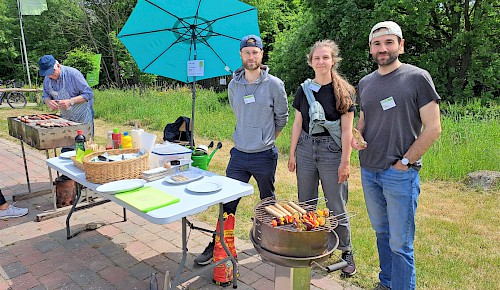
(350, 269)
(13, 212)
(381, 287)
(205, 258)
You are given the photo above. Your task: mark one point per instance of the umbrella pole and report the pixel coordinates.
(191, 126)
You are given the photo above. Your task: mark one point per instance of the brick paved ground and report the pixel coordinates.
(118, 255)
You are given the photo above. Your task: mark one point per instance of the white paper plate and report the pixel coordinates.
(121, 185)
(190, 175)
(204, 186)
(67, 154)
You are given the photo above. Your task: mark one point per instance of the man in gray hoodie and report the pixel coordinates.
(259, 102)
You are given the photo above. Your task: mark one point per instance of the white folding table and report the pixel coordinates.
(190, 203)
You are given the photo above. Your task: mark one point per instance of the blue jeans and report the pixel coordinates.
(318, 158)
(260, 165)
(391, 198)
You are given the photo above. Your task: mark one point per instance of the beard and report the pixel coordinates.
(390, 58)
(251, 66)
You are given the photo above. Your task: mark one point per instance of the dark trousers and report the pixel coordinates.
(261, 165)
(2, 198)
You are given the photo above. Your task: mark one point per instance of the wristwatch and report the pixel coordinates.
(71, 102)
(405, 161)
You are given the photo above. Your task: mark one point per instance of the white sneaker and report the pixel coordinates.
(12, 212)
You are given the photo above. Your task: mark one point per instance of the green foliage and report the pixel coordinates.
(81, 59)
(275, 16)
(345, 22)
(456, 42)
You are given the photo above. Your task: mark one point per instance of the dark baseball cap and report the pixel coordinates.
(251, 41)
(46, 65)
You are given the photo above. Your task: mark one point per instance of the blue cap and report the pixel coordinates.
(46, 65)
(251, 41)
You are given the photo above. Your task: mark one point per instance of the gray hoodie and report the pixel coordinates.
(257, 122)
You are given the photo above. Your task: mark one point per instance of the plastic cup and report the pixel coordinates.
(147, 141)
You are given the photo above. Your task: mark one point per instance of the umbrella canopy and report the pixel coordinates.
(188, 39)
(163, 35)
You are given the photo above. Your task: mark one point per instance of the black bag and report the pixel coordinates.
(172, 132)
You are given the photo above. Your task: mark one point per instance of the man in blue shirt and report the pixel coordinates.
(65, 89)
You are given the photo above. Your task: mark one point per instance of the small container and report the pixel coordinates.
(136, 137)
(168, 152)
(117, 139)
(80, 140)
(109, 140)
(126, 140)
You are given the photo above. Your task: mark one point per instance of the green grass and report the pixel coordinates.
(458, 228)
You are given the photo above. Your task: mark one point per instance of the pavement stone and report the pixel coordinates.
(117, 255)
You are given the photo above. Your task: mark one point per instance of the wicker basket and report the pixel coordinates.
(78, 164)
(102, 172)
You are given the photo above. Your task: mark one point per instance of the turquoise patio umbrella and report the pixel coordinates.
(188, 40)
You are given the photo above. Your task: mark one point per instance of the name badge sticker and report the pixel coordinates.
(314, 86)
(388, 103)
(249, 99)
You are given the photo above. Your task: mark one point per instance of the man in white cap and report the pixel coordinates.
(399, 120)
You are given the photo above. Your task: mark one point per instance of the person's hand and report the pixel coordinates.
(65, 104)
(344, 171)
(357, 146)
(399, 166)
(291, 163)
(53, 105)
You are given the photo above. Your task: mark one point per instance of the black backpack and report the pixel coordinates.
(171, 133)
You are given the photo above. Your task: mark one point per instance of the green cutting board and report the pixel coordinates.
(147, 198)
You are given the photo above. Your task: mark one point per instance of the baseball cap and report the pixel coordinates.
(391, 26)
(46, 65)
(257, 42)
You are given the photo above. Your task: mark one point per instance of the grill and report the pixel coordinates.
(294, 251)
(46, 131)
(43, 132)
(286, 240)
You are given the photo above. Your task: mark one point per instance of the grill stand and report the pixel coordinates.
(295, 273)
(18, 197)
(291, 278)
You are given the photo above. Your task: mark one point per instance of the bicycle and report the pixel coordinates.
(16, 100)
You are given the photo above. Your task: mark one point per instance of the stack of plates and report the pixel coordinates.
(155, 174)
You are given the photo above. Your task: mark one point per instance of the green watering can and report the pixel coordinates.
(200, 155)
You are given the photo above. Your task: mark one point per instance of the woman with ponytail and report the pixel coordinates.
(320, 145)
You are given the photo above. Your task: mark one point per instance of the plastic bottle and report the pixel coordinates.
(153, 282)
(117, 139)
(79, 140)
(109, 140)
(126, 140)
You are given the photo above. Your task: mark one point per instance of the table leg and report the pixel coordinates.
(176, 281)
(78, 194)
(54, 197)
(26, 167)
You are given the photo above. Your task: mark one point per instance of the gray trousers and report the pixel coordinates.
(318, 158)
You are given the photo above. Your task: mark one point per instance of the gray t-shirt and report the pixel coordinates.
(391, 131)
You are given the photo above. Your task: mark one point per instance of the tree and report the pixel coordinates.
(344, 21)
(81, 59)
(456, 41)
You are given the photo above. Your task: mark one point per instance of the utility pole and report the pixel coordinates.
(24, 42)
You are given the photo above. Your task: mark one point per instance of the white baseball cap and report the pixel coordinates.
(391, 26)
